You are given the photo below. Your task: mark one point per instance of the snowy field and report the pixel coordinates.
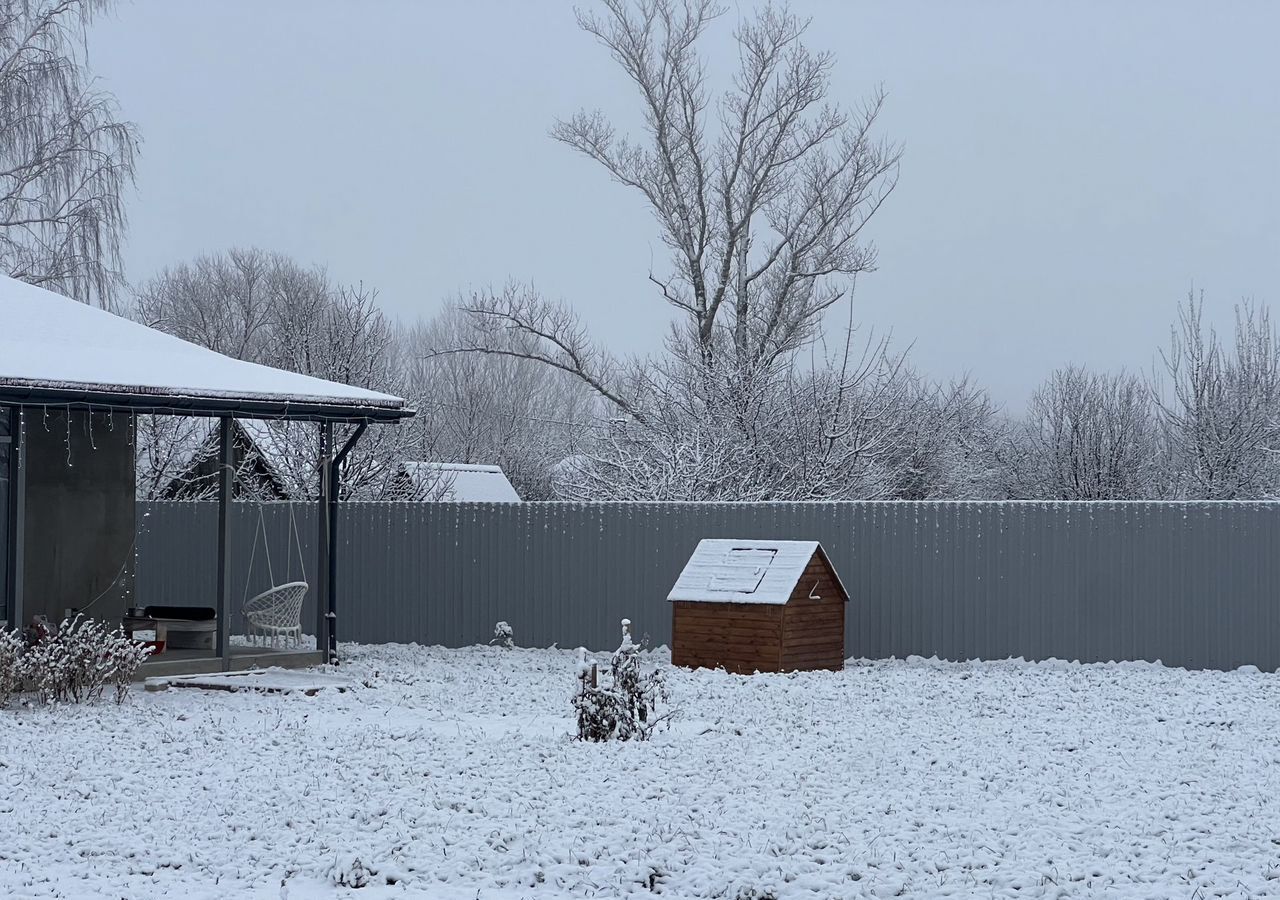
(451, 775)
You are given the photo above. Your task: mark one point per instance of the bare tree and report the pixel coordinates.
(268, 309)
(492, 408)
(761, 196)
(842, 429)
(65, 157)
(1220, 406)
(953, 432)
(224, 301)
(168, 448)
(1086, 436)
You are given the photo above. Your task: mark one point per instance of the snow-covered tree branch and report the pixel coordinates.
(501, 408)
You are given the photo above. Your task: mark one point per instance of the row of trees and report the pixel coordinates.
(1204, 425)
(856, 421)
(761, 191)
(266, 308)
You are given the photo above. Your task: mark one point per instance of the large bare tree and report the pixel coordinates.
(854, 424)
(66, 159)
(761, 194)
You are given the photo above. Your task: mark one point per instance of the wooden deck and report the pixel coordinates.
(203, 662)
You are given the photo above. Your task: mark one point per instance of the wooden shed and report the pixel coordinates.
(758, 606)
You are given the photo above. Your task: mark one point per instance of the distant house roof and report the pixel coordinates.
(460, 482)
(190, 462)
(55, 350)
(746, 571)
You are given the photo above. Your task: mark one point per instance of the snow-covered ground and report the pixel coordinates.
(452, 775)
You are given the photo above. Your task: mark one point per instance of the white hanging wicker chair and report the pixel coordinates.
(276, 613)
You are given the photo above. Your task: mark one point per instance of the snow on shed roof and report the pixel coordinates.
(54, 347)
(466, 483)
(745, 571)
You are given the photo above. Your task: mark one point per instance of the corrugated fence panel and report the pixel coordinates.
(176, 551)
(1194, 584)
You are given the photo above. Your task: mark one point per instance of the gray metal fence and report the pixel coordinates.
(1192, 584)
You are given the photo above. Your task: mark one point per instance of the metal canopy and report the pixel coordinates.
(192, 405)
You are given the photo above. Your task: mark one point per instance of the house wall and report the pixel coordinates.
(741, 637)
(813, 630)
(6, 444)
(80, 513)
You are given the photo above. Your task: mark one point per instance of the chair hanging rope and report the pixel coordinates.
(275, 613)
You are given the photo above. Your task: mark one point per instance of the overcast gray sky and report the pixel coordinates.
(1070, 169)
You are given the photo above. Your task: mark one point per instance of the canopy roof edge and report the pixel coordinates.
(302, 409)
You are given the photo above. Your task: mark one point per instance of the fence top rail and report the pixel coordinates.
(764, 504)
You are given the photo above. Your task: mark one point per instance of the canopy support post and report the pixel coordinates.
(226, 471)
(331, 554)
(323, 548)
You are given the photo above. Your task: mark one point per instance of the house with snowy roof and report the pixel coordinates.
(73, 382)
(455, 483)
(185, 465)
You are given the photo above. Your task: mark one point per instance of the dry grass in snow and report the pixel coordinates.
(452, 775)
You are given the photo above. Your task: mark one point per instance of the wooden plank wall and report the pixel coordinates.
(741, 637)
(813, 630)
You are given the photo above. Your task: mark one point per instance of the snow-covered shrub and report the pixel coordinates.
(124, 656)
(503, 636)
(10, 665)
(78, 659)
(625, 707)
(350, 871)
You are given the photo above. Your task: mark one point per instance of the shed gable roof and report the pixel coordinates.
(746, 571)
(52, 347)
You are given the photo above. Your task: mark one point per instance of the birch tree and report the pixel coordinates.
(66, 157)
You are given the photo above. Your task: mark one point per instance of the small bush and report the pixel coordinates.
(124, 656)
(72, 663)
(625, 707)
(503, 636)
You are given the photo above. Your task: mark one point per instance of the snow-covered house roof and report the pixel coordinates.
(746, 571)
(182, 462)
(460, 482)
(56, 350)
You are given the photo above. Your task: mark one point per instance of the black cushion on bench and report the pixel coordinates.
(189, 613)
